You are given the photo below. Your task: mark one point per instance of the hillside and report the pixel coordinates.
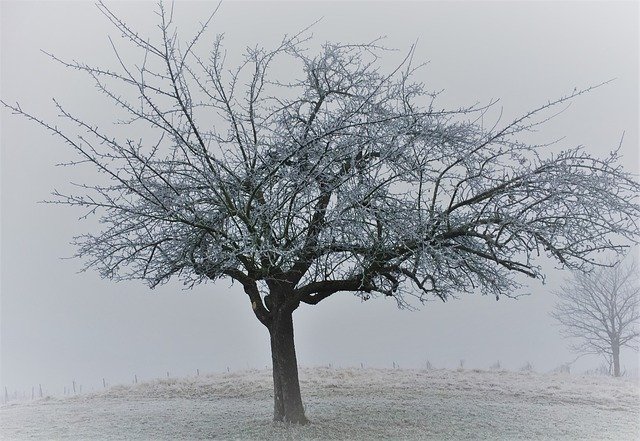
(344, 404)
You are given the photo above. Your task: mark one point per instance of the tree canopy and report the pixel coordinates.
(345, 177)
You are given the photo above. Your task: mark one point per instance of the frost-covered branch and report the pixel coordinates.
(339, 176)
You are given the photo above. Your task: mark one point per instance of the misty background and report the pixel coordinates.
(59, 325)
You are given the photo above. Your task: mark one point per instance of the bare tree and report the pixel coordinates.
(343, 178)
(599, 309)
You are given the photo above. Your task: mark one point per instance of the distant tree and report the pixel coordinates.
(600, 310)
(341, 177)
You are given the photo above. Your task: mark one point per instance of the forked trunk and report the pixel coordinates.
(286, 386)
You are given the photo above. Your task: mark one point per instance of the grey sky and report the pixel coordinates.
(57, 325)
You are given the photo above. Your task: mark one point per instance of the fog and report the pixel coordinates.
(59, 324)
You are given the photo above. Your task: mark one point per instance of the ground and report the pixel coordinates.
(354, 404)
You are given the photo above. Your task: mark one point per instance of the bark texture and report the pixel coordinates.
(616, 359)
(287, 406)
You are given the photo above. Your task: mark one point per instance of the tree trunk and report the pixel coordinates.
(615, 350)
(286, 386)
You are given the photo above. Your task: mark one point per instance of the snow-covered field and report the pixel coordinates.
(344, 404)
